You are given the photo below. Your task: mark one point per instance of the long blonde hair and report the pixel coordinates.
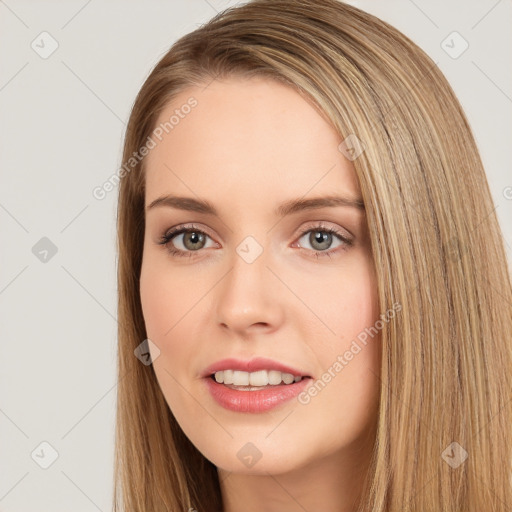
(446, 359)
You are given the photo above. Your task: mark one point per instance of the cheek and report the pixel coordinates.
(166, 296)
(176, 306)
(167, 306)
(359, 340)
(343, 303)
(359, 301)
(348, 352)
(165, 301)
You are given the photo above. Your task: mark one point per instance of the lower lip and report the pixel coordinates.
(254, 401)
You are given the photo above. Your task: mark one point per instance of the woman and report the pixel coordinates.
(283, 146)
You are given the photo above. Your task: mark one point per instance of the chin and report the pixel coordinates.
(260, 456)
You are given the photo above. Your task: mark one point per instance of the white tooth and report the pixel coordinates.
(228, 376)
(259, 378)
(287, 378)
(274, 377)
(240, 378)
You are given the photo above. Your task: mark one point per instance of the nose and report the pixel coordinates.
(249, 297)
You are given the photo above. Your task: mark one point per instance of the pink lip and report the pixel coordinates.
(258, 363)
(254, 401)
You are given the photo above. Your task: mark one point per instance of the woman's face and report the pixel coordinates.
(257, 282)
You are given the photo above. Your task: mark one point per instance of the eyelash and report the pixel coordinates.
(167, 237)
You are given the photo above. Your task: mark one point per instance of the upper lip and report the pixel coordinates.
(251, 365)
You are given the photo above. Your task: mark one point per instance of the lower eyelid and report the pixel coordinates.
(332, 251)
(168, 238)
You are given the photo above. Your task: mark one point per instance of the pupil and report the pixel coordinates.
(193, 238)
(322, 237)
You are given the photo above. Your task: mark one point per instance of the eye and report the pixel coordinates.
(321, 238)
(190, 238)
(184, 241)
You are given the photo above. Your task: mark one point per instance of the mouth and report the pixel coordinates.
(255, 381)
(253, 386)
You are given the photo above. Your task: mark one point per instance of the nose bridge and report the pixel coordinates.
(248, 294)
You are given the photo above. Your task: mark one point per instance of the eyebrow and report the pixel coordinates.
(286, 208)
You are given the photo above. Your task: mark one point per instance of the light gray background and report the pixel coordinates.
(62, 124)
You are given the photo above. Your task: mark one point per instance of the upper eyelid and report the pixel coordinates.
(345, 242)
(312, 225)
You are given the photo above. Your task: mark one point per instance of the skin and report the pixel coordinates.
(246, 147)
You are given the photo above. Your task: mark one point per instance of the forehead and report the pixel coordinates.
(246, 139)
